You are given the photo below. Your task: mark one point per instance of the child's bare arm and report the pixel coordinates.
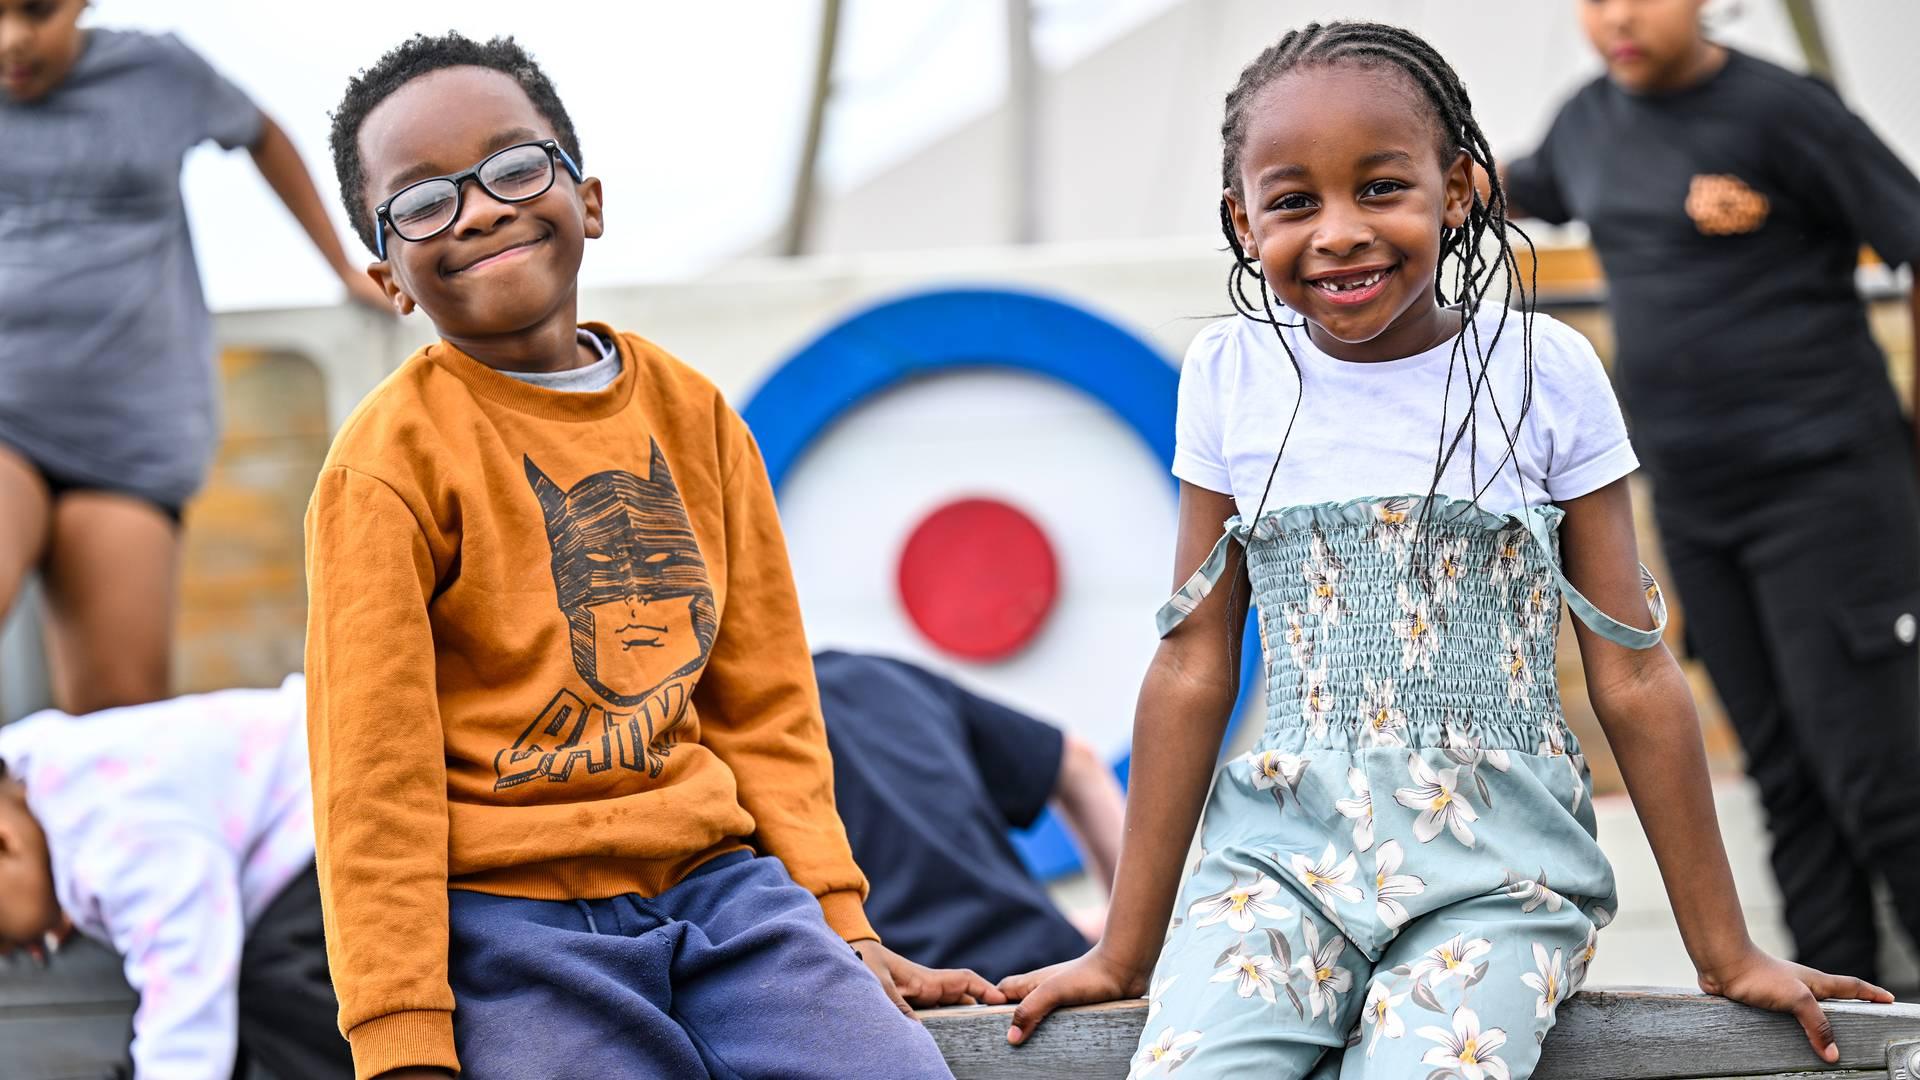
(280, 165)
(1092, 807)
(1646, 708)
(1184, 705)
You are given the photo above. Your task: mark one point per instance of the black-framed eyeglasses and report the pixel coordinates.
(424, 209)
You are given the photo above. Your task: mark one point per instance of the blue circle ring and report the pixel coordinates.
(947, 330)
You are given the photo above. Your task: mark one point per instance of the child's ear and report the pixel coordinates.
(383, 276)
(590, 213)
(1459, 190)
(1242, 228)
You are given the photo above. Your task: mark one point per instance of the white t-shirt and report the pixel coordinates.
(1374, 430)
(595, 376)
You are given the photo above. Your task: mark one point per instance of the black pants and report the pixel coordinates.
(288, 1016)
(1801, 592)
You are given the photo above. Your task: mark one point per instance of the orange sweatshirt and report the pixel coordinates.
(554, 652)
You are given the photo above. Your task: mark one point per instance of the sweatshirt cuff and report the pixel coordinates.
(419, 1038)
(847, 916)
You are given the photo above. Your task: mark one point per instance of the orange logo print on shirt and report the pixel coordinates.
(629, 578)
(1722, 204)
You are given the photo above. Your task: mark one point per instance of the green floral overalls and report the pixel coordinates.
(1401, 879)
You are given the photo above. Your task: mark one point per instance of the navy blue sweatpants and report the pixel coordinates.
(733, 973)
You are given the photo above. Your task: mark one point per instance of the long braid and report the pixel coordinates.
(1277, 59)
(1462, 249)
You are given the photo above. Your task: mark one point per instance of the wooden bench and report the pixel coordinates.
(1622, 1033)
(72, 1020)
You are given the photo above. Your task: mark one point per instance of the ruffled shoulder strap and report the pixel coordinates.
(1201, 582)
(1632, 637)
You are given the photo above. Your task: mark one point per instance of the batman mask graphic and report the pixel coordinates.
(629, 578)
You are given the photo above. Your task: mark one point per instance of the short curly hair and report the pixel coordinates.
(407, 61)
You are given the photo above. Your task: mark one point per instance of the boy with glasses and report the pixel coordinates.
(566, 742)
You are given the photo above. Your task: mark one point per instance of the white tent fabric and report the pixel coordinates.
(1129, 133)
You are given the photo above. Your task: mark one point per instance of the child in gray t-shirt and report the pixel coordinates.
(107, 397)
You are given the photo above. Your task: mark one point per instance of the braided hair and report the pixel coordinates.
(1463, 250)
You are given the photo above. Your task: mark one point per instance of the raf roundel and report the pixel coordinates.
(978, 578)
(978, 481)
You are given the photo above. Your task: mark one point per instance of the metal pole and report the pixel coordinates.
(1023, 142)
(1806, 26)
(800, 211)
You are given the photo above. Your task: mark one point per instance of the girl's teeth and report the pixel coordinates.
(1362, 283)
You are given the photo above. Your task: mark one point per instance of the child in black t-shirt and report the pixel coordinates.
(929, 778)
(1728, 200)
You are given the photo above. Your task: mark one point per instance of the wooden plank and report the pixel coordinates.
(1614, 1034)
(1094, 1043)
(1645, 1032)
(82, 973)
(73, 1046)
(71, 1020)
(1843, 1074)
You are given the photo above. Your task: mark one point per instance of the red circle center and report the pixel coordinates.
(978, 578)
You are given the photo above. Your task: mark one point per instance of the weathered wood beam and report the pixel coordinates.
(1613, 1034)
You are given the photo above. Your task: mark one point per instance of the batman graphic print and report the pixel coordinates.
(629, 580)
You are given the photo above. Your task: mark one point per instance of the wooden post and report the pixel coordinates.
(1813, 44)
(1023, 138)
(800, 211)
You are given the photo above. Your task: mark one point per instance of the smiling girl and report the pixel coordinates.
(1401, 879)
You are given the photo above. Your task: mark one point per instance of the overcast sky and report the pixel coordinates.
(691, 113)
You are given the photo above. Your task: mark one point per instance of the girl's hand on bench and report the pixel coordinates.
(1767, 982)
(1087, 981)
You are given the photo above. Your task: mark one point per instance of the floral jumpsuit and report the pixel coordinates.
(1401, 879)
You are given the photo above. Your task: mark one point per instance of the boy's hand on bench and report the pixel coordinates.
(911, 985)
(1089, 980)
